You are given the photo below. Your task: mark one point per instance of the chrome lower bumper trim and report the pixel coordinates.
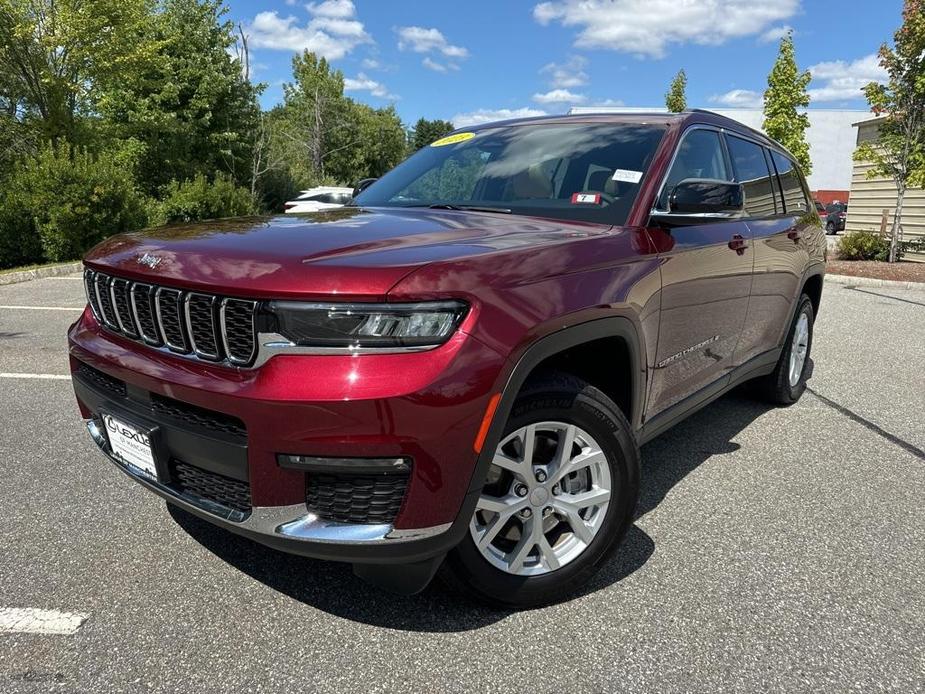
(294, 522)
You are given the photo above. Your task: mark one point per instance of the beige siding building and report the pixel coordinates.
(871, 196)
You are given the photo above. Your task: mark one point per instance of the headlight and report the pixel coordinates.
(356, 326)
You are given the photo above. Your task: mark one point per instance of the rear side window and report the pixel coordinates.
(794, 196)
(751, 170)
(700, 155)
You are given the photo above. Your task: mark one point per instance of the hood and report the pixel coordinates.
(348, 252)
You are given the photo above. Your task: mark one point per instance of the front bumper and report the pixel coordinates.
(287, 407)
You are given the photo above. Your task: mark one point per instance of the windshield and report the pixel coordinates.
(578, 172)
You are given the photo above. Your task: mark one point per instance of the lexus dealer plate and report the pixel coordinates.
(131, 445)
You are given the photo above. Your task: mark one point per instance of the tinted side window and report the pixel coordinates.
(700, 155)
(751, 170)
(794, 198)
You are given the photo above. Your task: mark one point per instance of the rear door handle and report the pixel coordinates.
(737, 243)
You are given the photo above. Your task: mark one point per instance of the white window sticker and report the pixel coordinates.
(627, 176)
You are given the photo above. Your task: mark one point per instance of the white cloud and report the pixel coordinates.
(568, 74)
(363, 83)
(431, 64)
(648, 27)
(559, 96)
(371, 64)
(332, 32)
(423, 40)
(339, 9)
(484, 115)
(739, 98)
(775, 33)
(838, 80)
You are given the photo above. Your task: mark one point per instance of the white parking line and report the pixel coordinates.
(27, 620)
(44, 308)
(78, 279)
(49, 377)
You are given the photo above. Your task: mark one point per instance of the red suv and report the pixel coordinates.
(456, 371)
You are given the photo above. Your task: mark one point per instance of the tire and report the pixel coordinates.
(779, 387)
(548, 570)
(830, 228)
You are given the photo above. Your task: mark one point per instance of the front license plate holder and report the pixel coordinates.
(135, 445)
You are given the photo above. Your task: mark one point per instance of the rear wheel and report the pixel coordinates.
(830, 228)
(558, 496)
(786, 383)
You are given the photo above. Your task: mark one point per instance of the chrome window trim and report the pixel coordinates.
(215, 328)
(722, 132)
(183, 349)
(152, 342)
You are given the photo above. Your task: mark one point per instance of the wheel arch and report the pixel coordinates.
(583, 346)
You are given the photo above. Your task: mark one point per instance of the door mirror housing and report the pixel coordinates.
(700, 201)
(362, 185)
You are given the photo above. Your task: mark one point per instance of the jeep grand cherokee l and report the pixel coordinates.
(456, 371)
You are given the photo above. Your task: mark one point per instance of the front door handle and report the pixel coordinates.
(738, 244)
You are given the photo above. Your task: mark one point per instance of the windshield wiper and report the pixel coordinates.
(468, 208)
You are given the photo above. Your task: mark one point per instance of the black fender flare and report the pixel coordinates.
(548, 346)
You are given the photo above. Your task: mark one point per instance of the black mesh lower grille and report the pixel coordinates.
(211, 486)
(355, 498)
(102, 381)
(198, 416)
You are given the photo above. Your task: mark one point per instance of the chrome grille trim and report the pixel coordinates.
(161, 318)
(172, 322)
(148, 312)
(118, 291)
(103, 297)
(199, 349)
(238, 359)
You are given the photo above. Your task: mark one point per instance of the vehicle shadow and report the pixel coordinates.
(332, 587)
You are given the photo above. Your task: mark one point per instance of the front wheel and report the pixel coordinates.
(558, 497)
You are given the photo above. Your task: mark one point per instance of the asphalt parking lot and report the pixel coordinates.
(775, 550)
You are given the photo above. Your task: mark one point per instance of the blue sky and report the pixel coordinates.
(484, 59)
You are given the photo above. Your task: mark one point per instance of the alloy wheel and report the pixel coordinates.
(544, 501)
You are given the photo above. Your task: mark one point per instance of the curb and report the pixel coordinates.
(872, 282)
(40, 272)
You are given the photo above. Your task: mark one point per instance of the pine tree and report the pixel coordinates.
(785, 96)
(676, 99)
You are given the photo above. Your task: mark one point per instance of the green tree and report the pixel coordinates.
(675, 98)
(427, 131)
(190, 105)
(785, 96)
(56, 54)
(899, 152)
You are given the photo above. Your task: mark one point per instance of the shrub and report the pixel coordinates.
(198, 198)
(864, 245)
(64, 201)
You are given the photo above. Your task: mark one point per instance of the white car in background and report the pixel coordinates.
(320, 198)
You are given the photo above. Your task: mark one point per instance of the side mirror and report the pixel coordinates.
(700, 200)
(362, 185)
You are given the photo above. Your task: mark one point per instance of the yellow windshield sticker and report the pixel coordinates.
(452, 139)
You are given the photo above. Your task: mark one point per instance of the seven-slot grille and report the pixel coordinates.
(201, 325)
